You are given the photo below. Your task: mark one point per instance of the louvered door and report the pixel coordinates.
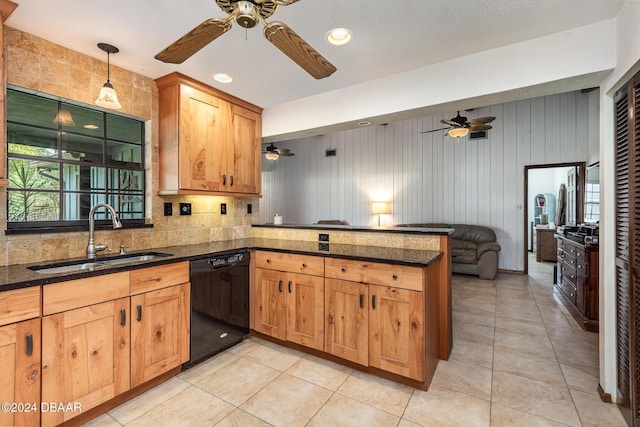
(627, 132)
(623, 303)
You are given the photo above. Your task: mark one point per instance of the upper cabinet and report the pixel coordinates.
(209, 140)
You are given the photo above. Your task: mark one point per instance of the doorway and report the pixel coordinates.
(543, 201)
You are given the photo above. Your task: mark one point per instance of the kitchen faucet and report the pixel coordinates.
(92, 248)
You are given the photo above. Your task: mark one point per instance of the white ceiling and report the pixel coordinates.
(389, 37)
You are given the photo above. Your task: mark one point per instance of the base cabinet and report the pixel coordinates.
(85, 358)
(289, 306)
(347, 328)
(158, 332)
(396, 331)
(105, 335)
(371, 314)
(20, 372)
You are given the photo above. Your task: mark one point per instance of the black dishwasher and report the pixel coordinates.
(219, 304)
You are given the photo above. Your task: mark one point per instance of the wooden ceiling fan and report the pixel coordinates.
(247, 14)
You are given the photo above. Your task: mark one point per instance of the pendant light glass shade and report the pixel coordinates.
(108, 97)
(458, 132)
(65, 118)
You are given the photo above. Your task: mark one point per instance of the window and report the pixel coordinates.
(63, 158)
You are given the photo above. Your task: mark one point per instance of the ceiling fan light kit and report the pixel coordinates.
(339, 36)
(458, 132)
(108, 97)
(247, 14)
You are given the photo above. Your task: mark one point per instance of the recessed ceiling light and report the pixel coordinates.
(90, 127)
(339, 36)
(222, 78)
(364, 123)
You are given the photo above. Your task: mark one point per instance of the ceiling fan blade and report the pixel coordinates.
(483, 120)
(434, 130)
(451, 123)
(182, 49)
(299, 51)
(477, 127)
(287, 154)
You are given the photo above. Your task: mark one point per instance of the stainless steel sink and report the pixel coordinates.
(103, 262)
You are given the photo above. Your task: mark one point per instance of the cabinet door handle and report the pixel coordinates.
(361, 300)
(304, 265)
(279, 285)
(29, 344)
(123, 317)
(344, 270)
(139, 313)
(394, 277)
(231, 180)
(373, 302)
(289, 286)
(224, 179)
(268, 260)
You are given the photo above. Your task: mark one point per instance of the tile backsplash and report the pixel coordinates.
(39, 65)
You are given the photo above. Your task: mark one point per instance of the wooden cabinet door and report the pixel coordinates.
(203, 158)
(85, 357)
(244, 151)
(396, 331)
(159, 332)
(20, 372)
(305, 310)
(270, 304)
(347, 320)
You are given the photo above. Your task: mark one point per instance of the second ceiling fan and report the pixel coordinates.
(460, 126)
(247, 14)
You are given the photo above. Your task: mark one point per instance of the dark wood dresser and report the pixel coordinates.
(577, 280)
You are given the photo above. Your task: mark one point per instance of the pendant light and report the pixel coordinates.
(65, 118)
(108, 97)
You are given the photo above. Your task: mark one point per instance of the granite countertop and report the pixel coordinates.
(405, 230)
(19, 276)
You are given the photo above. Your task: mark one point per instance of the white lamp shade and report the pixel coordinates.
(458, 132)
(108, 97)
(378, 208)
(65, 118)
(271, 156)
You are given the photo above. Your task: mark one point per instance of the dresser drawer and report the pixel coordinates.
(568, 273)
(161, 276)
(397, 276)
(293, 263)
(19, 304)
(569, 290)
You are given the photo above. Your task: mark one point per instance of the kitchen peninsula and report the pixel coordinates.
(401, 307)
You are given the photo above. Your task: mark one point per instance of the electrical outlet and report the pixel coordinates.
(249, 208)
(223, 208)
(185, 208)
(322, 237)
(168, 209)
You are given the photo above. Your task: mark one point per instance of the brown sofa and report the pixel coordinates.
(474, 248)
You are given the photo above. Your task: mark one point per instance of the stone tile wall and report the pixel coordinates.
(39, 65)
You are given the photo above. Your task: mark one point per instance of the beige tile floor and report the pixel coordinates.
(518, 359)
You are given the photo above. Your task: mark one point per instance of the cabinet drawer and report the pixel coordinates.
(569, 289)
(161, 276)
(569, 273)
(293, 263)
(582, 267)
(63, 296)
(398, 276)
(19, 304)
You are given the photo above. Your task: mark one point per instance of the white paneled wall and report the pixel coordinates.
(431, 177)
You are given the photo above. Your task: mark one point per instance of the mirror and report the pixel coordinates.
(592, 194)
